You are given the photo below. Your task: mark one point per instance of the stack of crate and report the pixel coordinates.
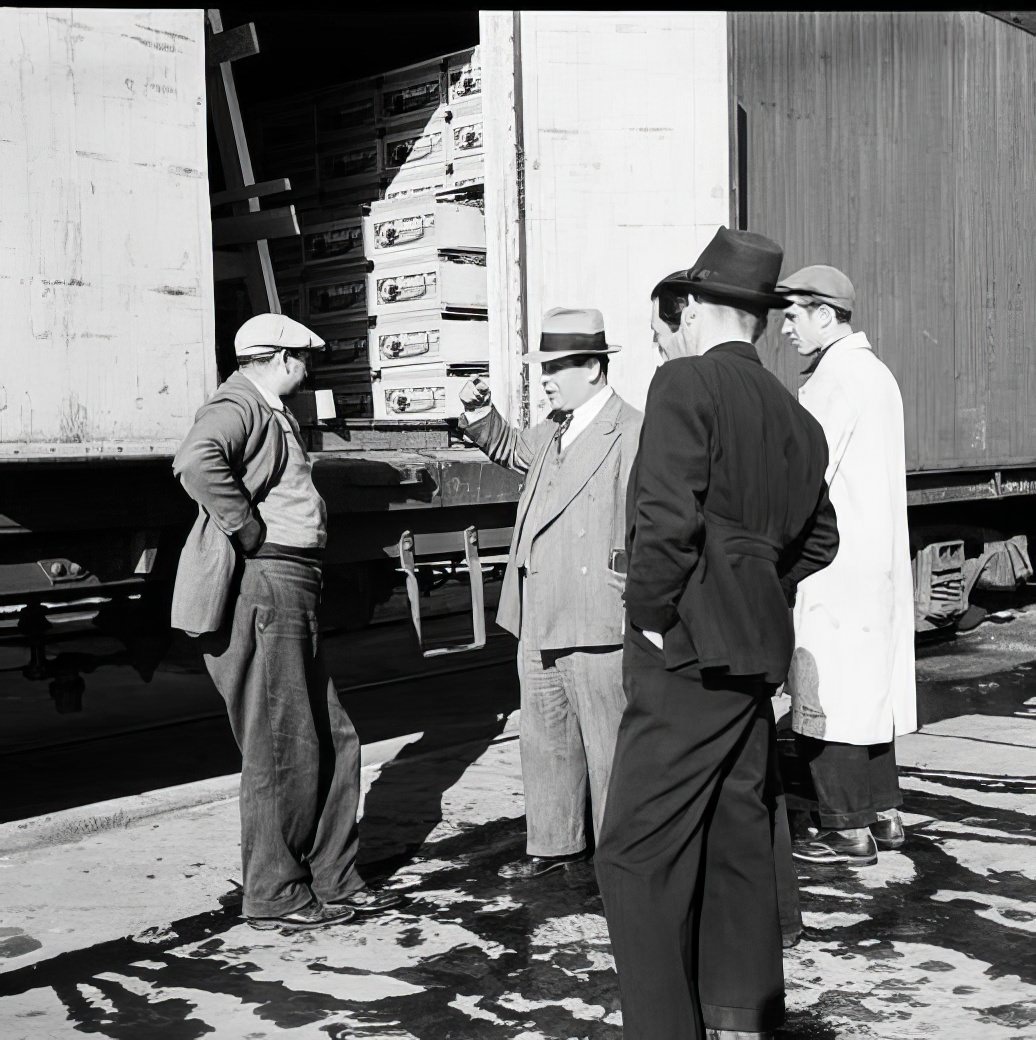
(387, 180)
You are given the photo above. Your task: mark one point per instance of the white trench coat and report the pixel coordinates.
(852, 674)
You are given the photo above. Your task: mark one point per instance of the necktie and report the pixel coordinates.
(562, 427)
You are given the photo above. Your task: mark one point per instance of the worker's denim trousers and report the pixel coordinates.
(300, 774)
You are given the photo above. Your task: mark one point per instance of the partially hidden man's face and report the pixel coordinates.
(570, 381)
(804, 327)
(665, 336)
(294, 365)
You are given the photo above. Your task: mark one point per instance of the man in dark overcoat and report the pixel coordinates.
(727, 511)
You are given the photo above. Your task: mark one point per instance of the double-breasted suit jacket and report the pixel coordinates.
(569, 519)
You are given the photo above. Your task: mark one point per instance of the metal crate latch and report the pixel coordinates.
(448, 543)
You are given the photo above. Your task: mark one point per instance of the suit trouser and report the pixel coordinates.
(300, 756)
(685, 860)
(571, 704)
(788, 904)
(853, 782)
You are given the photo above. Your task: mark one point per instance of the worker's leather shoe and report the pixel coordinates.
(536, 866)
(887, 832)
(367, 901)
(838, 847)
(312, 915)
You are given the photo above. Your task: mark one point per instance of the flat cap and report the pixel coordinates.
(265, 332)
(825, 284)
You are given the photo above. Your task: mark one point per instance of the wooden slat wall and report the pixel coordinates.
(901, 148)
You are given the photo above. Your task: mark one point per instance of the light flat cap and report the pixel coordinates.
(823, 283)
(265, 332)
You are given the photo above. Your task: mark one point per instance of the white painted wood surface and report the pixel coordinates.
(503, 245)
(626, 166)
(105, 237)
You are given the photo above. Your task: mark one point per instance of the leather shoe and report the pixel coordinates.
(888, 832)
(838, 847)
(367, 901)
(312, 915)
(536, 866)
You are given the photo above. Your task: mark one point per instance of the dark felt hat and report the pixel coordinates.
(737, 267)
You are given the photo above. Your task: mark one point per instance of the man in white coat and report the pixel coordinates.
(852, 675)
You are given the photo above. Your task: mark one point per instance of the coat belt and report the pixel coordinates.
(739, 541)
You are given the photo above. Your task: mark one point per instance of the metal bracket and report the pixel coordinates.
(469, 538)
(59, 571)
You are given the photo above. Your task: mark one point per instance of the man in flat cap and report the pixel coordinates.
(249, 583)
(727, 512)
(561, 594)
(852, 676)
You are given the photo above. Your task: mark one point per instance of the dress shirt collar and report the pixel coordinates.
(585, 414)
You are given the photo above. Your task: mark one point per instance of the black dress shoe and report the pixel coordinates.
(535, 866)
(837, 847)
(888, 833)
(367, 901)
(312, 915)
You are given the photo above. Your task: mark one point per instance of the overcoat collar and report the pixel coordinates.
(854, 341)
(739, 348)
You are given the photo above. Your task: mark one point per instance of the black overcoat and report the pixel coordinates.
(727, 510)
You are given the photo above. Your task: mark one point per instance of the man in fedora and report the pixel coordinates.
(852, 679)
(248, 583)
(668, 300)
(561, 594)
(727, 512)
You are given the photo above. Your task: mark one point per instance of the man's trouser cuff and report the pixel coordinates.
(749, 1020)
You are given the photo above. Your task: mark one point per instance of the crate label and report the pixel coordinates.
(465, 82)
(415, 148)
(400, 231)
(413, 400)
(413, 97)
(467, 138)
(348, 114)
(335, 242)
(339, 296)
(354, 404)
(343, 350)
(362, 159)
(408, 189)
(400, 288)
(395, 345)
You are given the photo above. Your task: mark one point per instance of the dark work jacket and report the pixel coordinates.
(727, 510)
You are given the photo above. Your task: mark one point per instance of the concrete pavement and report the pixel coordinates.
(134, 932)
